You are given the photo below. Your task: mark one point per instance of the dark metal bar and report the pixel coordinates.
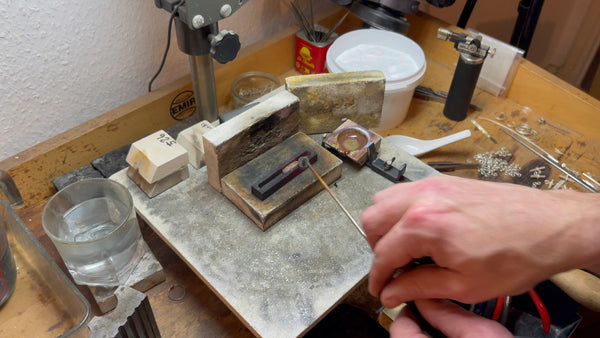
(466, 13)
(529, 13)
(272, 182)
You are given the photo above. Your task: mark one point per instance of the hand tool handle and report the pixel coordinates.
(582, 286)
(462, 87)
(451, 166)
(442, 166)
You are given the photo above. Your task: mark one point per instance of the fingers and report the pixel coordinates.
(394, 190)
(391, 204)
(405, 325)
(450, 319)
(406, 241)
(389, 258)
(425, 282)
(388, 207)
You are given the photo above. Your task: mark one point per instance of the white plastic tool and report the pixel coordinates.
(418, 147)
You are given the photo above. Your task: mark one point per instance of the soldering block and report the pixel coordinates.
(327, 99)
(157, 156)
(265, 213)
(244, 137)
(191, 140)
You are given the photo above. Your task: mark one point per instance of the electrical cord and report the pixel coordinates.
(501, 309)
(541, 308)
(164, 58)
(498, 308)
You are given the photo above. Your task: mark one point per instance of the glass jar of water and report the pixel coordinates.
(93, 225)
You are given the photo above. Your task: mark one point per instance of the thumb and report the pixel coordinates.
(426, 282)
(451, 320)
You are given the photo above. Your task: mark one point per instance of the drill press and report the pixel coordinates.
(198, 35)
(387, 14)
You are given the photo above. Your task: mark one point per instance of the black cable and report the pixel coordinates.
(466, 13)
(422, 322)
(162, 63)
(529, 13)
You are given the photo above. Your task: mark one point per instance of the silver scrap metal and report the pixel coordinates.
(492, 163)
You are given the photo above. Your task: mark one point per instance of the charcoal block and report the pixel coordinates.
(76, 175)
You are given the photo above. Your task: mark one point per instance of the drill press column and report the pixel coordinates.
(196, 43)
(198, 36)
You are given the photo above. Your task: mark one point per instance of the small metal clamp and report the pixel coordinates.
(385, 168)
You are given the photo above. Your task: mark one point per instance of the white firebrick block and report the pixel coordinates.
(156, 156)
(191, 140)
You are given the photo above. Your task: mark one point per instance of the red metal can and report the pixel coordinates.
(310, 56)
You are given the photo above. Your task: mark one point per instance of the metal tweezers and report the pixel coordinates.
(426, 93)
(451, 166)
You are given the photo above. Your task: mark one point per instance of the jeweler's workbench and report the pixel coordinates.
(203, 313)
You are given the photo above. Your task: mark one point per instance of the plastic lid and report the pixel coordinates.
(400, 59)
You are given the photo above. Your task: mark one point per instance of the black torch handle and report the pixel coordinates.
(462, 87)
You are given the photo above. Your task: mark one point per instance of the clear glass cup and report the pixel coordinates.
(93, 225)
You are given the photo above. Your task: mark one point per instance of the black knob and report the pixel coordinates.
(441, 3)
(225, 46)
(342, 2)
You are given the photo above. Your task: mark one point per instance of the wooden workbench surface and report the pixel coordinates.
(201, 312)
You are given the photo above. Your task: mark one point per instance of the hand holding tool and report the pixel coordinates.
(304, 162)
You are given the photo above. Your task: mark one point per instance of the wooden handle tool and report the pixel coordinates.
(582, 286)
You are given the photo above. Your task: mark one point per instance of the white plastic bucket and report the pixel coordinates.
(400, 59)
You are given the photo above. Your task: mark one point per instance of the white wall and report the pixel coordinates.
(64, 62)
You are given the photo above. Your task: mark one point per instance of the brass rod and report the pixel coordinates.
(485, 132)
(307, 163)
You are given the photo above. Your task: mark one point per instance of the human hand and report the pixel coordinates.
(450, 319)
(487, 239)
